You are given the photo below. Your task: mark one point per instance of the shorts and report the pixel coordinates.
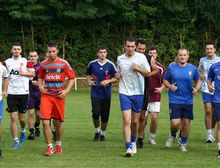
(131, 102)
(101, 107)
(52, 107)
(207, 97)
(216, 108)
(181, 111)
(145, 101)
(17, 103)
(1, 110)
(34, 101)
(153, 107)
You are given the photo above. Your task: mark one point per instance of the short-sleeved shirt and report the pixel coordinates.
(99, 72)
(34, 89)
(183, 77)
(18, 85)
(54, 73)
(3, 74)
(204, 65)
(214, 75)
(131, 82)
(156, 81)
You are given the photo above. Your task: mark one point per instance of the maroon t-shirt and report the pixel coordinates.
(156, 81)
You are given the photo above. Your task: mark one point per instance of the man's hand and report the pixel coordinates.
(62, 94)
(104, 83)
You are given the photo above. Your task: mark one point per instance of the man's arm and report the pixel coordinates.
(64, 92)
(5, 87)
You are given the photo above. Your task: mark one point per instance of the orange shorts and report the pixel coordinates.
(52, 107)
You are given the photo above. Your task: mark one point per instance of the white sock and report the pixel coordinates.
(58, 143)
(213, 132)
(218, 144)
(103, 133)
(16, 139)
(152, 136)
(209, 131)
(50, 145)
(97, 130)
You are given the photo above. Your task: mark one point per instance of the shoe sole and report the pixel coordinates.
(50, 154)
(128, 155)
(209, 141)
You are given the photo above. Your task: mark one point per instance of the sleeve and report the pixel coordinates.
(196, 75)
(211, 74)
(113, 70)
(89, 69)
(200, 67)
(167, 75)
(69, 71)
(30, 67)
(5, 72)
(40, 72)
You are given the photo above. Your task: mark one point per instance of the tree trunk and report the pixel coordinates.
(32, 36)
(23, 38)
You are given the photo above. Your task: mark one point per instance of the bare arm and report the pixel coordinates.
(90, 82)
(64, 92)
(198, 86)
(172, 87)
(5, 87)
(210, 86)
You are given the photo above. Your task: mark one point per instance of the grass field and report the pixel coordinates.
(80, 151)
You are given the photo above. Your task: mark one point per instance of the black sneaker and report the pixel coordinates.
(102, 138)
(37, 132)
(218, 154)
(31, 136)
(96, 137)
(139, 143)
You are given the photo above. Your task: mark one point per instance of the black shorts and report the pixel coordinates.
(17, 103)
(145, 102)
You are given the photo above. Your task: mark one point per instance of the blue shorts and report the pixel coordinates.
(207, 98)
(1, 110)
(216, 108)
(134, 103)
(181, 111)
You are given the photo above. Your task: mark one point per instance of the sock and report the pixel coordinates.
(23, 130)
(209, 131)
(218, 144)
(16, 139)
(36, 125)
(31, 130)
(133, 138)
(152, 136)
(140, 139)
(128, 145)
(183, 139)
(102, 133)
(97, 130)
(173, 134)
(50, 145)
(213, 132)
(54, 130)
(58, 143)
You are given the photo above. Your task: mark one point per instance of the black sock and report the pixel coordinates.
(31, 130)
(140, 139)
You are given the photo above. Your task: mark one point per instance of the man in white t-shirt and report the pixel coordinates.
(132, 67)
(20, 70)
(3, 93)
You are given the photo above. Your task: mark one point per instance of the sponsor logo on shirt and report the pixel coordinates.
(14, 72)
(190, 73)
(54, 77)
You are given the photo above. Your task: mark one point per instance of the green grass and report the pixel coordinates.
(80, 151)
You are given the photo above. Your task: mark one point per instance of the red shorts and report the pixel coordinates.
(52, 107)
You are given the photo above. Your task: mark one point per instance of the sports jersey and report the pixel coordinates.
(131, 82)
(99, 72)
(214, 75)
(18, 85)
(3, 74)
(34, 90)
(183, 77)
(156, 81)
(204, 65)
(54, 73)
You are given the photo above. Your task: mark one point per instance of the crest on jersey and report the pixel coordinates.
(190, 73)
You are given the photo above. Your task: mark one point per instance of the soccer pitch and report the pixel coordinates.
(80, 151)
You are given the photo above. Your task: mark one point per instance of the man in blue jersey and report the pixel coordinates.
(132, 67)
(100, 75)
(204, 65)
(181, 93)
(214, 76)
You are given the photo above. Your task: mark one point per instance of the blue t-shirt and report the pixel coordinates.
(214, 75)
(183, 77)
(100, 72)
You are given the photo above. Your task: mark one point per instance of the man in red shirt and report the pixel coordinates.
(51, 79)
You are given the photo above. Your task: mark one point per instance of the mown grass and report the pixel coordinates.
(80, 151)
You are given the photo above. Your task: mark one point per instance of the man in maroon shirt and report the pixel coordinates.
(155, 88)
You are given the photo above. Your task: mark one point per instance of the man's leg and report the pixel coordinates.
(48, 137)
(14, 129)
(96, 108)
(22, 119)
(208, 122)
(218, 137)
(0, 141)
(59, 135)
(31, 123)
(134, 129)
(37, 122)
(184, 133)
(105, 111)
(141, 129)
(153, 127)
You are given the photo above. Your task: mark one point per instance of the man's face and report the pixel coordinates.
(153, 53)
(183, 56)
(52, 53)
(16, 51)
(141, 48)
(130, 48)
(102, 54)
(210, 50)
(33, 57)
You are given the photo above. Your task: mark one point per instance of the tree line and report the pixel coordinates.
(80, 26)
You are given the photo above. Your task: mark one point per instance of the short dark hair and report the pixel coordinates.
(152, 48)
(209, 43)
(101, 47)
(130, 39)
(141, 41)
(52, 44)
(16, 44)
(180, 49)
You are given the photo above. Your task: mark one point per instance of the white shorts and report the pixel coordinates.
(153, 107)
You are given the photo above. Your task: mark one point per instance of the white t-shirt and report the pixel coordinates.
(131, 82)
(3, 74)
(18, 85)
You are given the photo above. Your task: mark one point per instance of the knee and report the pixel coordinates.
(95, 116)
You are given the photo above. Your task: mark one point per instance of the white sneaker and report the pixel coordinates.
(210, 138)
(128, 153)
(183, 148)
(133, 147)
(152, 141)
(169, 142)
